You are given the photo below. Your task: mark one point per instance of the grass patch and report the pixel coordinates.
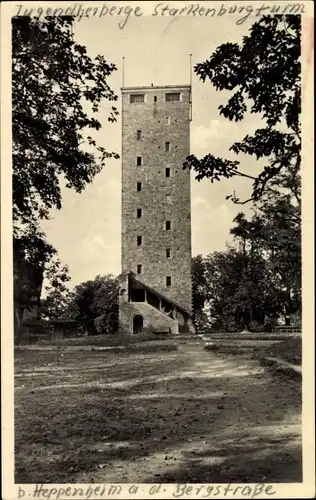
(119, 339)
(246, 336)
(144, 349)
(275, 367)
(289, 350)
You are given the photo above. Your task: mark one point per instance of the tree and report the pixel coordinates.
(54, 83)
(258, 278)
(95, 298)
(280, 244)
(274, 234)
(34, 260)
(263, 76)
(88, 301)
(241, 290)
(57, 89)
(198, 289)
(57, 305)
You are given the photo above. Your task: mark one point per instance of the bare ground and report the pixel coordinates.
(183, 416)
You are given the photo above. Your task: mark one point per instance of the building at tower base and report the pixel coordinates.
(155, 284)
(142, 309)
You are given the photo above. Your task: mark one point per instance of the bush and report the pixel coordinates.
(100, 324)
(255, 326)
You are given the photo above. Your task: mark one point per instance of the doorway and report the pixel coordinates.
(138, 323)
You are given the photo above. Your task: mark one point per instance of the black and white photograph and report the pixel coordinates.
(157, 254)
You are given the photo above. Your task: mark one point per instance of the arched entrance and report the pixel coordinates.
(138, 323)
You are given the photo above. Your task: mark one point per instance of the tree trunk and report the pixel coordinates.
(18, 318)
(288, 307)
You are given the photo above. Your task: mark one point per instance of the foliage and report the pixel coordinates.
(241, 290)
(57, 89)
(57, 305)
(34, 261)
(93, 303)
(53, 81)
(198, 287)
(95, 299)
(258, 279)
(263, 77)
(107, 323)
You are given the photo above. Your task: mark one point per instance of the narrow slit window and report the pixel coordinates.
(139, 213)
(167, 147)
(139, 269)
(167, 172)
(155, 98)
(139, 135)
(168, 280)
(139, 186)
(168, 120)
(168, 225)
(139, 240)
(139, 161)
(168, 253)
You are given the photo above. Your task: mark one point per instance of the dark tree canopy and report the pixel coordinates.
(198, 286)
(56, 305)
(95, 297)
(263, 75)
(93, 304)
(257, 280)
(57, 90)
(35, 260)
(54, 82)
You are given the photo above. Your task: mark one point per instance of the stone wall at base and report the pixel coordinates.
(153, 320)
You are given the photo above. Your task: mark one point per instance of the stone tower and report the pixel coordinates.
(156, 209)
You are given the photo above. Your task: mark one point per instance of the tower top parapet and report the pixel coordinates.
(155, 87)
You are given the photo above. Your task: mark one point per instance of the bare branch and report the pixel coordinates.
(241, 174)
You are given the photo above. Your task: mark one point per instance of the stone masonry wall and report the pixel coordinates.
(153, 319)
(159, 122)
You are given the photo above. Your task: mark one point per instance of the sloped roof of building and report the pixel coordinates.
(159, 294)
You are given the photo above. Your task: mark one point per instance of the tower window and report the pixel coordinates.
(139, 213)
(168, 225)
(137, 98)
(167, 146)
(139, 268)
(139, 135)
(168, 280)
(168, 253)
(139, 240)
(168, 198)
(139, 186)
(167, 172)
(155, 98)
(172, 96)
(139, 161)
(168, 120)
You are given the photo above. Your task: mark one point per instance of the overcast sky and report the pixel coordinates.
(86, 231)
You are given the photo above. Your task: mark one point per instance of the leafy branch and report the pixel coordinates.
(263, 75)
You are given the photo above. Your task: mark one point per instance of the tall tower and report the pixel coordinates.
(156, 205)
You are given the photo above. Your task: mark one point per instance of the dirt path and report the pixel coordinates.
(183, 416)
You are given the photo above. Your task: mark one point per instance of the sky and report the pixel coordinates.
(86, 231)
